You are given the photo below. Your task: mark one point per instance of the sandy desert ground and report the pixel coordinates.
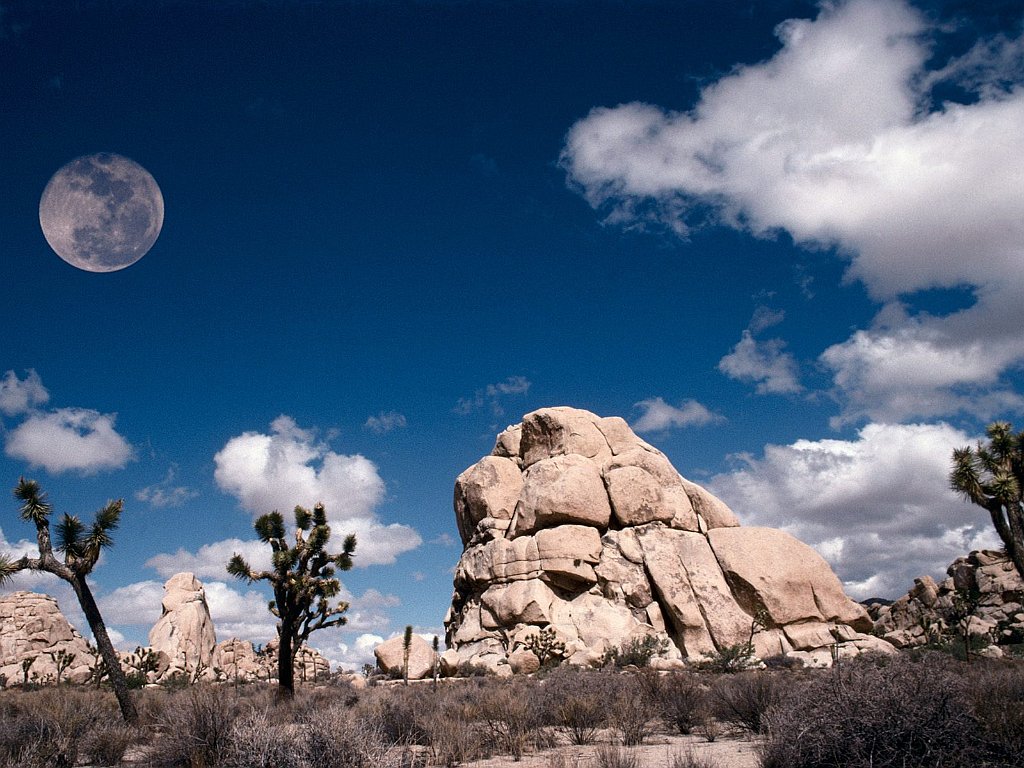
(725, 752)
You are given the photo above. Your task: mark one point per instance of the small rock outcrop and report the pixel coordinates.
(237, 660)
(913, 619)
(575, 523)
(32, 627)
(185, 630)
(391, 657)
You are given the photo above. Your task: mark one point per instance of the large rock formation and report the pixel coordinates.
(575, 523)
(184, 631)
(32, 627)
(924, 610)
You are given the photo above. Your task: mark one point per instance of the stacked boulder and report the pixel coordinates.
(576, 524)
(914, 619)
(33, 628)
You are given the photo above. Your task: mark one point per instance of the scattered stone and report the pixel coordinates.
(916, 618)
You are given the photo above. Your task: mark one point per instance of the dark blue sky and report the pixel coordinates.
(401, 226)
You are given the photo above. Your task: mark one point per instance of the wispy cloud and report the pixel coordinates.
(492, 396)
(165, 493)
(659, 416)
(765, 363)
(19, 396)
(385, 421)
(904, 191)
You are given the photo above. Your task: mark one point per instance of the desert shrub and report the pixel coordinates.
(632, 706)
(335, 737)
(708, 726)
(637, 652)
(687, 758)
(732, 658)
(106, 744)
(257, 741)
(470, 669)
(49, 728)
(680, 698)
(454, 738)
(508, 713)
(782, 661)
(576, 701)
(742, 699)
(886, 712)
(996, 699)
(194, 728)
(402, 714)
(611, 756)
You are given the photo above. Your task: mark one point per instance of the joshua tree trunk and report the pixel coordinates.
(99, 632)
(286, 663)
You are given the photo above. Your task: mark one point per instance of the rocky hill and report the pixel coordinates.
(574, 523)
(986, 576)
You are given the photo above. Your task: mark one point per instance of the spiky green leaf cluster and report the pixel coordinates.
(34, 508)
(991, 475)
(302, 574)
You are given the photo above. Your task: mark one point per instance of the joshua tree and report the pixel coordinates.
(302, 578)
(992, 476)
(406, 649)
(546, 646)
(62, 659)
(437, 659)
(81, 549)
(26, 665)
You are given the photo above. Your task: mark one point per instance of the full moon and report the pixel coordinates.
(101, 212)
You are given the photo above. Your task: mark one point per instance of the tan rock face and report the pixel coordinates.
(769, 568)
(490, 488)
(32, 627)
(607, 544)
(391, 657)
(185, 630)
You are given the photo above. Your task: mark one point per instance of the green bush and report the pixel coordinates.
(637, 652)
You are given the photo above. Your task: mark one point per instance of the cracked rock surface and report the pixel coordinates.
(576, 524)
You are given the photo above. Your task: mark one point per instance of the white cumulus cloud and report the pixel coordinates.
(69, 440)
(659, 416)
(834, 140)
(291, 466)
(210, 560)
(138, 603)
(879, 507)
